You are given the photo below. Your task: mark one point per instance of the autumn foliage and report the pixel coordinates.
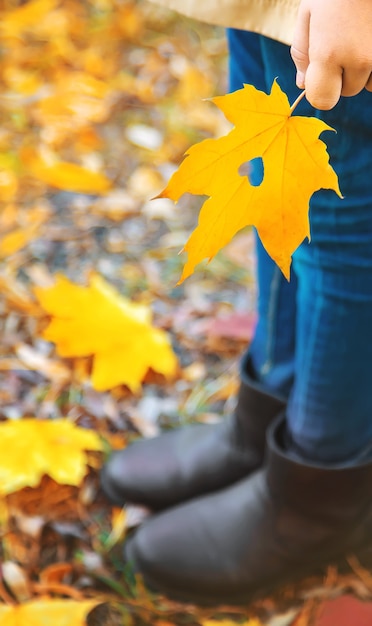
(100, 99)
(65, 84)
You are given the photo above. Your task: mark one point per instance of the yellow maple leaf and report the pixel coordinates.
(295, 164)
(96, 320)
(31, 448)
(47, 612)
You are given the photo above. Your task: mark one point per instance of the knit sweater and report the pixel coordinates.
(273, 18)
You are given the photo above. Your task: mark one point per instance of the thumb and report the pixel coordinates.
(300, 46)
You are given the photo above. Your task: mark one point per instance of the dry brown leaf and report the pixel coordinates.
(51, 368)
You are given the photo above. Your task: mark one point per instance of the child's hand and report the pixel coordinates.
(332, 49)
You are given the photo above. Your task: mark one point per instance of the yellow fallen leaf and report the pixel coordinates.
(119, 527)
(193, 85)
(17, 239)
(8, 185)
(71, 177)
(21, 81)
(295, 165)
(47, 613)
(96, 320)
(64, 175)
(81, 83)
(77, 99)
(15, 23)
(31, 448)
(30, 223)
(9, 216)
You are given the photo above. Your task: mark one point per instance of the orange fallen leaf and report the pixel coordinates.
(59, 589)
(96, 320)
(46, 612)
(55, 572)
(295, 165)
(31, 448)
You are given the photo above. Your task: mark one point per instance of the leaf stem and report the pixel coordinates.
(297, 101)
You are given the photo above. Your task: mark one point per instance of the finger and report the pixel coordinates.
(300, 46)
(301, 61)
(369, 83)
(354, 81)
(323, 84)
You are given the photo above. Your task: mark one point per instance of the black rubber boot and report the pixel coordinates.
(196, 459)
(285, 521)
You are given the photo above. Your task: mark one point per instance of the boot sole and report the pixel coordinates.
(317, 568)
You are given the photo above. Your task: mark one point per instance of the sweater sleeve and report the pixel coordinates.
(273, 18)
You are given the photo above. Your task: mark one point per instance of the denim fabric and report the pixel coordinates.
(313, 339)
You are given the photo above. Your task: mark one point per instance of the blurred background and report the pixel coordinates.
(99, 101)
(117, 90)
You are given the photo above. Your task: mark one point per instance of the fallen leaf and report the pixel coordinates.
(46, 612)
(31, 448)
(29, 227)
(16, 580)
(64, 175)
(238, 326)
(16, 295)
(50, 368)
(119, 527)
(144, 136)
(295, 165)
(96, 320)
(17, 239)
(25, 17)
(8, 185)
(116, 205)
(229, 622)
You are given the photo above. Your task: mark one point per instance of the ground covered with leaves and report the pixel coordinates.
(99, 101)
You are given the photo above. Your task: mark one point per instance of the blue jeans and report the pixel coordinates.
(313, 340)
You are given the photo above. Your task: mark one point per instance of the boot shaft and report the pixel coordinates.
(256, 408)
(334, 493)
